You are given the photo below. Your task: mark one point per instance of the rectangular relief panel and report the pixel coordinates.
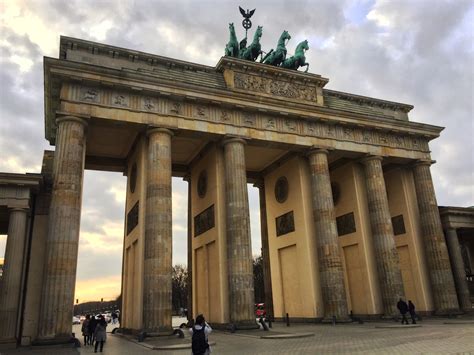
(285, 223)
(398, 225)
(346, 224)
(132, 218)
(204, 221)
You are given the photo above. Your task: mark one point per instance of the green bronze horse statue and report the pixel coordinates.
(232, 47)
(298, 60)
(254, 49)
(275, 57)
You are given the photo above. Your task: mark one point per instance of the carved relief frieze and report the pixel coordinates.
(90, 95)
(120, 99)
(311, 127)
(175, 108)
(149, 103)
(275, 87)
(201, 111)
(249, 119)
(225, 115)
(269, 123)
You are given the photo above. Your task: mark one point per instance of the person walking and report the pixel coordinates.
(92, 326)
(114, 318)
(85, 330)
(411, 309)
(100, 333)
(200, 336)
(403, 308)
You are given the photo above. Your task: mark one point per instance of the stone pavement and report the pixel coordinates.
(434, 336)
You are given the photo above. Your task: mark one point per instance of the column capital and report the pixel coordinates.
(259, 183)
(73, 119)
(370, 157)
(316, 149)
(18, 209)
(152, 130)
(233, 139)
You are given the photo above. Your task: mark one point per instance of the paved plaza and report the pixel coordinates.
(433, 336)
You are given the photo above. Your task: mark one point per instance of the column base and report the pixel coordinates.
(60, 340)
(448, 312)
(328, 320)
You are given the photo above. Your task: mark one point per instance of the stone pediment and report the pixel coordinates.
(269, 81)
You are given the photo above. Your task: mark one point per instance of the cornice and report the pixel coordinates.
(370, 101)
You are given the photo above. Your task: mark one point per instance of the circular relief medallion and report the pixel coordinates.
(336, 192)
(202, 184)
(133, 178)
(281, 189)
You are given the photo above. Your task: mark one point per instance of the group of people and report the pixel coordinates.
(405, 308)
(94, 330)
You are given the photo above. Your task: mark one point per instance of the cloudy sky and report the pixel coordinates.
(418, 52)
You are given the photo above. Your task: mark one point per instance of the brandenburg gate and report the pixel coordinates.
(349, 216)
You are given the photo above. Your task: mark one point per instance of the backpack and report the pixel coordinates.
(199, 343)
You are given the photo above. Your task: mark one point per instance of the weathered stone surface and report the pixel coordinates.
(441, 277)
(330, 262)
(10, 286)
(158, 240)
(239, 250)
(386, 255)
(63, 233)
(267, 280)
(459, 272)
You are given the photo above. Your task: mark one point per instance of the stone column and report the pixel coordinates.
(239, 250)
(459, 272)
(267, 277)
(441, 277)
(158, 239)
(190, 249)
(63, 233)
(12, 272)
(330, 262)
(386, 254)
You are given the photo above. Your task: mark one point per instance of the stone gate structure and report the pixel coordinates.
(349, 216)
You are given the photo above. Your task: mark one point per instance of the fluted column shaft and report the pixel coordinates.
(63, 233)
(330, 262)
(158, 237)
(12, 272)
(386, 254)
(239, 250)
(190, 251)
(459, 271)
(267, 277)
(441, 277)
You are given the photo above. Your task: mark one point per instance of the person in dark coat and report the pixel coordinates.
(403, 308)
(411, 309)
(85, 330)
(100, 334)
(92, 325)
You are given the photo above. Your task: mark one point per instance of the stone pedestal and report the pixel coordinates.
(10, 285)
(267, 279)
(239, 250)
(63, 233)
(157, 276)
(330, 262)
(459, 272)
(386, 254)
(439, 268)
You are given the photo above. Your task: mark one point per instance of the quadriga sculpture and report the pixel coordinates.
(277, 56)
(254, 49)
(298, 60)
(232, 47)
